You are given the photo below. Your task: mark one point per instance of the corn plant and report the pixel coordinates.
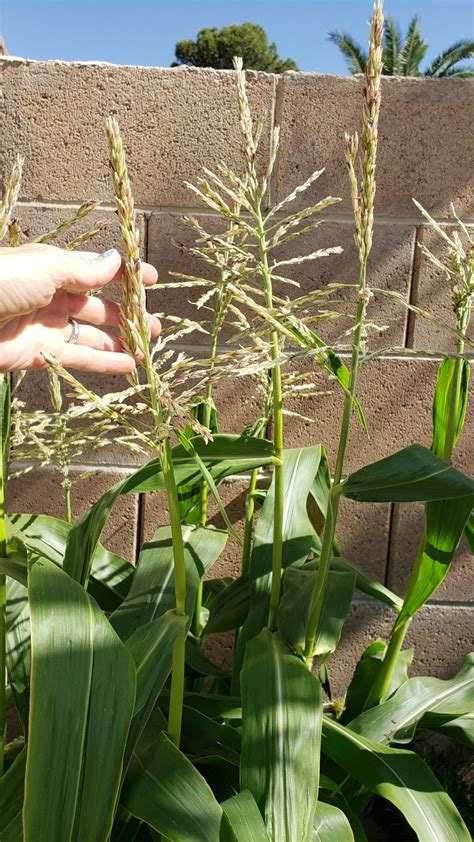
(129, 730)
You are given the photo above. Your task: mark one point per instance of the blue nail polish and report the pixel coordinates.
(110, 253)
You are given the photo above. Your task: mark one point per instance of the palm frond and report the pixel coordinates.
(355, 55)
(458, 51)
(461, 71)
(392, 45)
(413, 50)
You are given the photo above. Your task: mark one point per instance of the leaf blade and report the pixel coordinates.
(281, 722)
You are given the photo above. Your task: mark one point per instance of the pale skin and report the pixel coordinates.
(41, 289)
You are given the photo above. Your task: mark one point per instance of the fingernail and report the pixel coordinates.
(107, 254)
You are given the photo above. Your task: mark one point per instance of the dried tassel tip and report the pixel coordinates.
(14, 233)
(244, 108)
(10, 196)
(84, 210)
(135, 331)
(368, 141)
(84, 238)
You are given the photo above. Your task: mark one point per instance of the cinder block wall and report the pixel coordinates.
(173, 123)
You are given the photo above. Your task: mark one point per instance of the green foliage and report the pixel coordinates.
(403, 56)
(79, 670)
(399, 776)
(281, 708)
(217, 48)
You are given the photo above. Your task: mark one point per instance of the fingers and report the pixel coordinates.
(101, 312)
(93, 338)
(87, 265)
(31, 274)
(84, 358)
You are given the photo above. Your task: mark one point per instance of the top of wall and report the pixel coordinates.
(176, 120)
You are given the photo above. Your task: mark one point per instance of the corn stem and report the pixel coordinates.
(4, 445)
(397, 637)
(333, 503)
(277, 406)
(363, 205)
(135, 334)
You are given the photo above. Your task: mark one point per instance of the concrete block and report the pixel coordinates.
(173, 121)
(36, 221)
(40, 492)
(34, 391)
(422, 121)
(396, 396)
(407, 530)
(390, 268)
(440, 635)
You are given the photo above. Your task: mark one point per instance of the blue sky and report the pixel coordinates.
(145, 31)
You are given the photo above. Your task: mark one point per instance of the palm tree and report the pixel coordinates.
(402, 57)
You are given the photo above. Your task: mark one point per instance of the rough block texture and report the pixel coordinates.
(396, 396)
(421, 123)
(391, 266)
(40, 492)
(407, 530)
(440, 635)
(53, 113)
(173, 122)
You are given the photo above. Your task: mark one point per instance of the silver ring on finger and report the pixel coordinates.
(74, 332)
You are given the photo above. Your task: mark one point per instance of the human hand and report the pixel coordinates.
(41, 295)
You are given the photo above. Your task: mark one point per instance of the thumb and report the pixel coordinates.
(31, 274)
(84, 271)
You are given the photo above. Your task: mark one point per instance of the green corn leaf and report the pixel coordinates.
(5, 407)
(445, 522)
(459, 728)
(401, 777)
(244, 818)
(212, 705)
(223, 456)
(469, 531)
(411, 474)
(222, 776)
(18, 658)
(442, 401)
(46, 536)
(82, 699)
(201, 735)
(11, 800)
(230, 607)
(396, 719)
(281, 731)
(200, 663)
(365, 584)
(190, 495)
(365, 675)
(152, 590)
(295, 608)
(331, 825)
(207, 477)
(17, 599)
(151, 647)
(300, 468)
(165, 790)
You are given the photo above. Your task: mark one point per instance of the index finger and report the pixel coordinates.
(149, 273)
